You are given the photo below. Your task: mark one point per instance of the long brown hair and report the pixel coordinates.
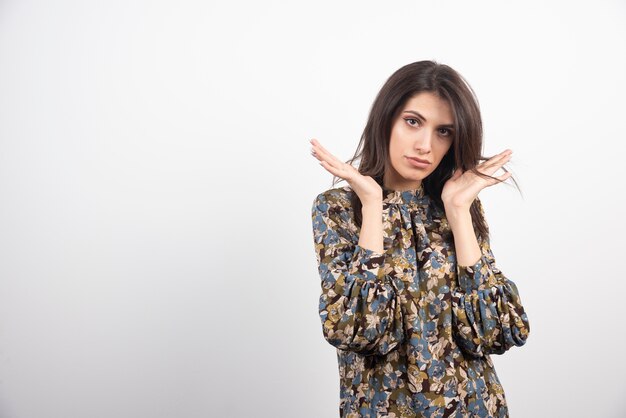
(465, 151)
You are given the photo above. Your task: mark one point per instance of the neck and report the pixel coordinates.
(402, 186)
(393, 181)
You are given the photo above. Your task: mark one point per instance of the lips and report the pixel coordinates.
(419, 160)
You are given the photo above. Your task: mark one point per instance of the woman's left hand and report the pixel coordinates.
(462, 188)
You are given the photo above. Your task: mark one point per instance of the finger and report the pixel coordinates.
(503, 177)
(491, 167)
(497, 158)
(315, 154)
(331, 163)
(320, 148)
(326, 155)
(332, 170)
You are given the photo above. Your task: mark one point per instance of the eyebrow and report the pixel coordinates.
(422, 117)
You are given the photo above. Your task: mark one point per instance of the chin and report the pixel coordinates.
(416, 176)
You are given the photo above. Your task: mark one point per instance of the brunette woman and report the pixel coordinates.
(411, 295)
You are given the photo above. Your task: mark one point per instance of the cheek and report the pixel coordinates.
(443, 150)
(396, 158)
(395, 150)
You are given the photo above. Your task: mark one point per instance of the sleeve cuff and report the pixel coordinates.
(473, 277)
(367, 264)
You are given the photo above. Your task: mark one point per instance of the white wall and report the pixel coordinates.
(156, 185)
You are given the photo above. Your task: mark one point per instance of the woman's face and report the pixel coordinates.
(423, 130)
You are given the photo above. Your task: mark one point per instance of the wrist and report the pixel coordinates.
(456, 210)
(372, 206)
(458, 216)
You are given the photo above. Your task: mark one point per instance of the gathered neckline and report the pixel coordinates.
(404, 196)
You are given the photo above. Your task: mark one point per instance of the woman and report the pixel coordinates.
(411, 296)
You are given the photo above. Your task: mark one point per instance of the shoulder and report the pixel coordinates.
(333, 209)
(335, 199)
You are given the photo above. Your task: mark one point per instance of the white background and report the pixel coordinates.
(156, 185)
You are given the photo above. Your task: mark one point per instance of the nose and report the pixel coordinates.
(423, 141)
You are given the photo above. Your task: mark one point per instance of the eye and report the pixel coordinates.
(411, 119)
(448, 131)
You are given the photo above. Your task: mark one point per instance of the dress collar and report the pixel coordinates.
(405, 196)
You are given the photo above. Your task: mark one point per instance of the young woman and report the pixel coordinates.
(411, 295)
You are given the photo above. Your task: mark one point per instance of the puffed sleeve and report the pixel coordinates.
(487, 312)
(358, 306)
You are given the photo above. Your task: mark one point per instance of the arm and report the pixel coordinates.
(487, 312)
(358, 306)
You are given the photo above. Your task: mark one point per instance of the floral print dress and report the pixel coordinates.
(413, 329)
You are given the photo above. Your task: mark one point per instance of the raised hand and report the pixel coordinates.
(462, 188)
(364, 186)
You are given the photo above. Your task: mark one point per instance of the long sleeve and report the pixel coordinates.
(488, 316)
(358, 306)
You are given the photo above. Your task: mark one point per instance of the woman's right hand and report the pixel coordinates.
(365, 187)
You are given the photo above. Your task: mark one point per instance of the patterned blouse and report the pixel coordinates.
(412, 328)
